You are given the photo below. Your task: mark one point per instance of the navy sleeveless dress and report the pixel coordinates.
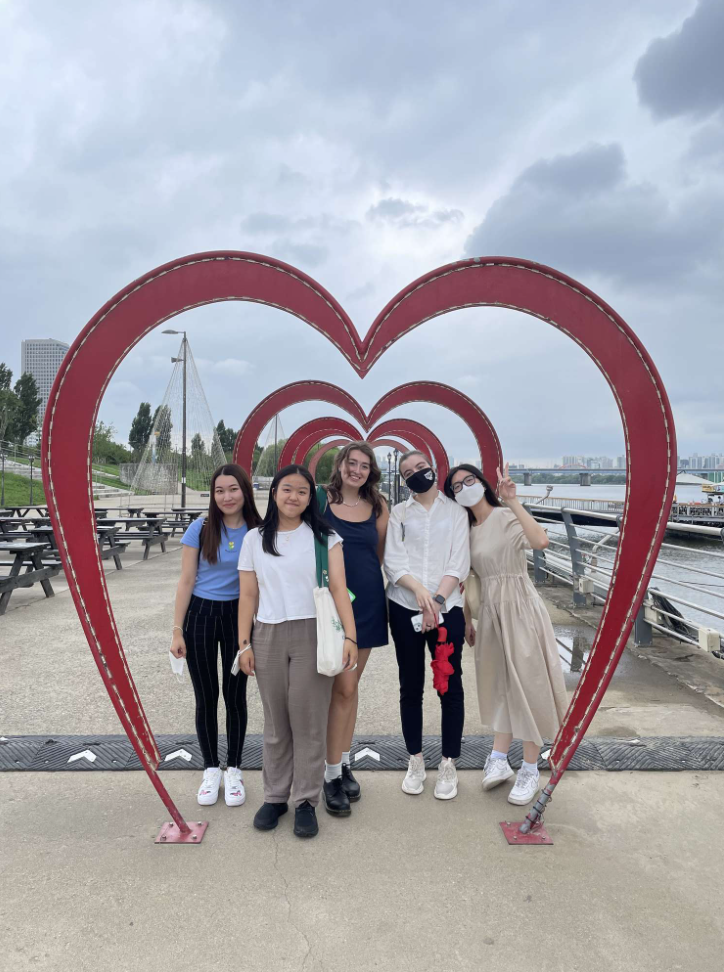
(364, 578)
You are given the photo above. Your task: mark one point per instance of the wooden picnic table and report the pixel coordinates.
(148, 529)
(107, 542)
(20, 527)
(23, 510)
(183, 516)
(30, 556)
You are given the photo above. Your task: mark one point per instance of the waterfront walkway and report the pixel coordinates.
(634, 879)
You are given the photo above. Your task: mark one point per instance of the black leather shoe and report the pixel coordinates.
(350, 784)
(305, 820)
(335, 799)
(268, 814)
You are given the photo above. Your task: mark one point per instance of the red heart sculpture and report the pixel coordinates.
(419, 436)
(205, 278)
(417, 391)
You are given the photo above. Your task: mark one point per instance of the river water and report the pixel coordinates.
(680, 553)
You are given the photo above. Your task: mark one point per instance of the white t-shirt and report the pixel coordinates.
(286, 583)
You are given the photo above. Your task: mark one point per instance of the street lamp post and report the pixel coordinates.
(389, 477)
(183, 431)
(32, 460)
(2, 487)
(397, 479)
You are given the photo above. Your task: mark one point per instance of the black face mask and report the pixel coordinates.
(421, 481)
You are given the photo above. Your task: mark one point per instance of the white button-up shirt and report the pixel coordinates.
(435, 543)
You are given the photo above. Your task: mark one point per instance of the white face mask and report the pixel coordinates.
(177, 666)
(470, 495)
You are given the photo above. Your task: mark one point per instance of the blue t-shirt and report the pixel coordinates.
(219, 581)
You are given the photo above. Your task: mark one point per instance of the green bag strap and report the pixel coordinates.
(321, 550)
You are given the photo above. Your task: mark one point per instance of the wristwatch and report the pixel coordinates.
(440, 599)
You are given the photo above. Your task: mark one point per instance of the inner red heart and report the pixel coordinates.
(489, 281)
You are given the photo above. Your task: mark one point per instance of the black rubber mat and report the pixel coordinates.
(55, 753)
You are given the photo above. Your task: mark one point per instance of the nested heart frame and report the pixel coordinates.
(432, 392)
(419, 436)
(206, 278)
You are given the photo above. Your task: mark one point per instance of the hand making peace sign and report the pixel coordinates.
(506, 487)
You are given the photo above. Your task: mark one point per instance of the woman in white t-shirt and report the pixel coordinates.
(277, 577)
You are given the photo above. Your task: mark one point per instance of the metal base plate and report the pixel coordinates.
(511, 832)
(170, 834)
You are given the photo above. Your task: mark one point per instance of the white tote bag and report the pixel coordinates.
(330, 632)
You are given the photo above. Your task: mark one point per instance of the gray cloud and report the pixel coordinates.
(683, 73)
(407, 215)
(581, 214)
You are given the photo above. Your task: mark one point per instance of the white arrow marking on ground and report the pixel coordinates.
(86, 754)
(179, 752)
(546, 754)
(366, 752)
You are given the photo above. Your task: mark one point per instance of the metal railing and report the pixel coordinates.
(686, 602)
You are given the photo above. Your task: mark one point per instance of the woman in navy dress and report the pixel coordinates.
(358, 513)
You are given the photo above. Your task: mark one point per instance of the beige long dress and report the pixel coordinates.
(519, 675)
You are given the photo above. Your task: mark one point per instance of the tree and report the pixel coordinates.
(141, 428)
(266, 465)
(163, 425)
(227, 437)
(6, 376)
(8, 406)
(323, 472)
(198, 448)
(25, 419)
(256, 457)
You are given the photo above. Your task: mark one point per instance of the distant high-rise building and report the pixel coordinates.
(42, 357)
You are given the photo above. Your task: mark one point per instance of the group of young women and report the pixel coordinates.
(450, 557)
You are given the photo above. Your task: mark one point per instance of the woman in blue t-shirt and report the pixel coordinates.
(206, 617)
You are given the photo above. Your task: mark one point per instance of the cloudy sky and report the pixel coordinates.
(367, 144)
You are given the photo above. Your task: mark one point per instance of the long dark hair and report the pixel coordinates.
(311, 515)
(210, 536)
(368, 491)
(489, 492)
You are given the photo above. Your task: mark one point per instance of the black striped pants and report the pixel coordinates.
(208, 625)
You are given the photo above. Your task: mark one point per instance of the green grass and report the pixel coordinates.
(17, 490)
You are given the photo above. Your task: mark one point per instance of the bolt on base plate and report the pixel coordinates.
(170, 834)
(511, 831)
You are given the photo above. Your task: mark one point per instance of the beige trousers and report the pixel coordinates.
(296, 702)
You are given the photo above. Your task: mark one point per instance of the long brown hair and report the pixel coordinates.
(368, 491)
(210, 537)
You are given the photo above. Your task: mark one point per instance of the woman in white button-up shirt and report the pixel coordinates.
(427, 555)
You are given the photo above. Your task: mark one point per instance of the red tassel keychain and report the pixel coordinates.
(441, 667)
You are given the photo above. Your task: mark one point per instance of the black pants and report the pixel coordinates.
(411, 658)
(207, 625)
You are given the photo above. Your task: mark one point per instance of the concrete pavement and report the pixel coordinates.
(634, 880)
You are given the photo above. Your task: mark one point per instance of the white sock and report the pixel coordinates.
(531, 767)
(332, 771)
(496, 754)
(345, 759)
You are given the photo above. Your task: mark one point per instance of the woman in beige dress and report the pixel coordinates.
(521, 691)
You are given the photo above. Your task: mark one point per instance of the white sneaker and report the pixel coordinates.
(447, 780)
(209, 790)
(496, 771)
(525, 788)
(234, 792)
(414, 781)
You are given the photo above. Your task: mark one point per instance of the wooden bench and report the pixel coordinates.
(28, 555)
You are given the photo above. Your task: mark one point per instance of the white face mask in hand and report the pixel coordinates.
(177, 666)
(470, 495)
